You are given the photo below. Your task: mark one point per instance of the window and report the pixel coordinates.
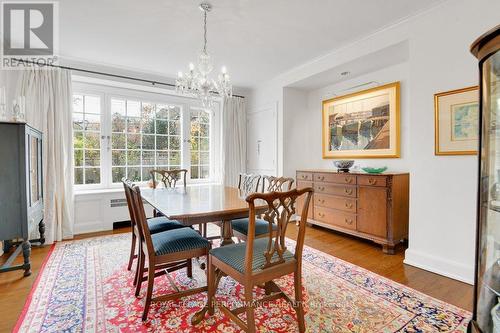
(145, 136)
(200, 143)
(87, 139)
(122, 132)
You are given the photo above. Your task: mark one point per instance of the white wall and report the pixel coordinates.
(303, 123)
(443, 189)
(93, 211)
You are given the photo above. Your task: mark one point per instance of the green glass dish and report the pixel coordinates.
(374, 170)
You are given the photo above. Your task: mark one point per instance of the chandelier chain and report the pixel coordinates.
(205, 32)
(197, 82)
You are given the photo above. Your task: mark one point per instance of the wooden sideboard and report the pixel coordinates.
(373, 207)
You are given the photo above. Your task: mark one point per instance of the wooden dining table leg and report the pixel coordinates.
(226, 233)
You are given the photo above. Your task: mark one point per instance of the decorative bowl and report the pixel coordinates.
(343, 165)
(374, 170)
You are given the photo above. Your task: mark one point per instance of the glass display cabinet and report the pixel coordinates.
(486, 317)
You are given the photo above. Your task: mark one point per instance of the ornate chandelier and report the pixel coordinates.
(196, 82)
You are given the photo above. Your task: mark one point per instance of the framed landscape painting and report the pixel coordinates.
(457, 121)
(364, 124)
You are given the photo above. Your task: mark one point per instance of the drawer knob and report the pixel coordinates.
(372, 181)
(304, 176)
(348, 221)
(348, 191)
(321, 177)
(321, 188)
(321, 200)
(321, 215)
(348, 205)
(348, 180)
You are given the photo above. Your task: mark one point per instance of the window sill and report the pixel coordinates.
(93, 191)
(79, 192)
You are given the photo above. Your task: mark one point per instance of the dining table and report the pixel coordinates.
(205, 203)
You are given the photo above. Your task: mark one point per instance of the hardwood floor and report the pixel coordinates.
(14, 289)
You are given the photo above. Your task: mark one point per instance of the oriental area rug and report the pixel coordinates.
(84, 286)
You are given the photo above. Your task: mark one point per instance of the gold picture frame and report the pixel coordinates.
(456, 122)
(364, 124)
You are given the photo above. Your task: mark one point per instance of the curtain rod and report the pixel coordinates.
(105, 74)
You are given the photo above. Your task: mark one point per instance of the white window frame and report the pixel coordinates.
(97, 93)
(108, 89)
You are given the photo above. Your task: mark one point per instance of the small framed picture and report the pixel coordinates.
(457, 121)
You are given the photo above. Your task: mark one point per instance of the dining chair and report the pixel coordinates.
(169, 178)
(248, 183)
(276, 184)
(259, 261)
(155, 225)
(164, 251)
(269, 184)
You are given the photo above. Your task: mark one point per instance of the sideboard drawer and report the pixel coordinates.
(342, 190)
(335, 217)
(335, 178)
(372, 180)
(299, 205)
(307, 176)
(330, 201)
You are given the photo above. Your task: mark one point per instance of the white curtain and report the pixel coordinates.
(48, 94)
(234, 139)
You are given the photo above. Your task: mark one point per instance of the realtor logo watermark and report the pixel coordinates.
(30, 33)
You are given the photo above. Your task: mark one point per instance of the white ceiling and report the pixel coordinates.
(385, 57)
(255, 39)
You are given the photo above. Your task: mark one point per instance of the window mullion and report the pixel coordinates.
(106, 142)
(185, 138)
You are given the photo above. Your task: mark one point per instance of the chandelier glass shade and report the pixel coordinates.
(198, 82)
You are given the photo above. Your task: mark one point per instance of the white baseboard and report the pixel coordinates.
(441, 266)
(90, 227)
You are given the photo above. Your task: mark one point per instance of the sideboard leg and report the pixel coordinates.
(388, 249)
(41, 229)
(26, 254)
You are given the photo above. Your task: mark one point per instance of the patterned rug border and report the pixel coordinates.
(311, 250)
(27, 303)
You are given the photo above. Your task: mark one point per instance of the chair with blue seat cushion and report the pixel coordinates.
(155, 224)
(259, 261)
(161, 223)
(240, 228)
(177, 240)
(234, 255)
(169, 178)
(269, 184)
(165, 251)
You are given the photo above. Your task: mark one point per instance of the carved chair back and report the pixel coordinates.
(276, 184)
(140, 215)
(249, 183)
(169, 178)
(127, 185)
(280, 209)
